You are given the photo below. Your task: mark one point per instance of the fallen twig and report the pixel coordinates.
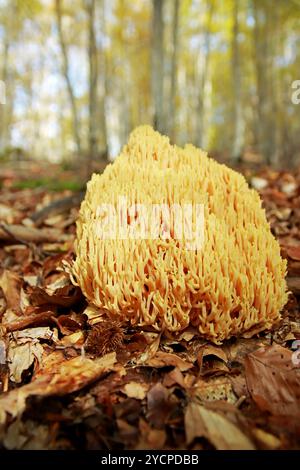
(57, 207)
(10, 235)
(29, 234)
(24, 322)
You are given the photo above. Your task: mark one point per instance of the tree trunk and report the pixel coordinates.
(8, 78)
(265, 125)
(65, 71)
(3, 107)
(277, 40)
(157, 65)
(93, 83)
(103, 85)
(204, 76)
(172, 103)
(238, 123)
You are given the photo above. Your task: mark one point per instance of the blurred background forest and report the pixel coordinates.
(79, 75)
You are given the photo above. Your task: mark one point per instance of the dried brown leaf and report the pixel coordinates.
(67, 377)
(265, 439)
(150, 438)
(151, 349)
(10, 284)
(27, 436)
(41, 332)
(293, 252)
(21, 357)
(163, 359)
(159, 406)
(175, 376)
(65, 296)
(68, 324)
(212, 360)
(75, 339)
(273, 380)
(136, 390)
(222, 433)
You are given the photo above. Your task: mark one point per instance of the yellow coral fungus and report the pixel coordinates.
(233, 283)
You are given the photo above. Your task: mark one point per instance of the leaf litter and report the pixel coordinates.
(69, 378)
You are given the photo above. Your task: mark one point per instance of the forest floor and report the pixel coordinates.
(68, 381)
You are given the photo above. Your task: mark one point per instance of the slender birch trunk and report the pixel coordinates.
(157, 68)
(66, 74)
